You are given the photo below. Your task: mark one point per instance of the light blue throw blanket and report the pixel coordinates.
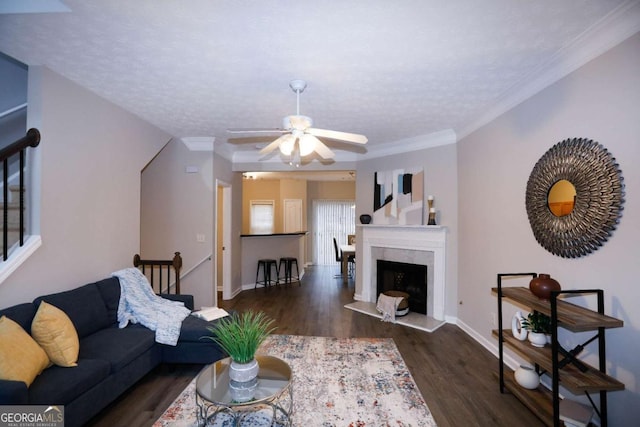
(138, 304)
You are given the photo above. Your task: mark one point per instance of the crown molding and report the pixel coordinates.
(435, 139)
(224, 150)
(611, 30)
(199, 143)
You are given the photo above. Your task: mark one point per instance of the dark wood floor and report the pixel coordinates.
(454, 373)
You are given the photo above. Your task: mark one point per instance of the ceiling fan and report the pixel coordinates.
(299, 137)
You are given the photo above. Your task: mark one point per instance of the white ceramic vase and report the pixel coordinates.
(243, 380)
(527, 377)
(243, 391)
(537, 339)
(243, 372)
(517, 330)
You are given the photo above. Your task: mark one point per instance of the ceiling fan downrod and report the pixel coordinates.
(298, 86)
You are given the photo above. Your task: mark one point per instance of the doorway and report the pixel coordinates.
(292, 215)
(223, 240)
(332, 218)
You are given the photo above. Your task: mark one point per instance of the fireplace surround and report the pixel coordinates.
(417, 244)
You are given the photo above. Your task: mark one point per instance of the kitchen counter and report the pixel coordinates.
(271, 246)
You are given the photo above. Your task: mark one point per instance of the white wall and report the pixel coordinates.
(600, 101)
(91, 155)
(175, 207)
(440, 180)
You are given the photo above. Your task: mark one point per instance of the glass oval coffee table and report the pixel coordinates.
(271, 406)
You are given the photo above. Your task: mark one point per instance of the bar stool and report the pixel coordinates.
(266, 264)
(288, 269)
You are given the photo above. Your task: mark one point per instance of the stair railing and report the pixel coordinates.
(31, 139)
(161, 266)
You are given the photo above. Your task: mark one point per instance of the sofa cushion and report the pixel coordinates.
(84, 306)
(22, 314)
(54, 332)
(59, 386)
(110, 291)
(21, 358)
(194, 328)
(117, 346)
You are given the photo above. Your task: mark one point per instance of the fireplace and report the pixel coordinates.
(423, 245)
(405, 277)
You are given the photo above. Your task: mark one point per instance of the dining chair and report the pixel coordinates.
(351, 259)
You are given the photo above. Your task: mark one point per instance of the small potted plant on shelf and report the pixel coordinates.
(539, 325)
(240, 335)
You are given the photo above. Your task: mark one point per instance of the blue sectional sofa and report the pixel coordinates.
(110, 359)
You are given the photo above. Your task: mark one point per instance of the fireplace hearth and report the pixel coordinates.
(405, 277)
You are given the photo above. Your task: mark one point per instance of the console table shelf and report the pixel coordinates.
(537, 400)
(572, 378)
(550, 359)
(570, 316)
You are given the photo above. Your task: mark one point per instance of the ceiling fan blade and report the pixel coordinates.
(272, 146)
(340, 136)
(323, 150)
(255, 130)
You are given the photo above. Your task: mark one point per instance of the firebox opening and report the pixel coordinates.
(409, 278)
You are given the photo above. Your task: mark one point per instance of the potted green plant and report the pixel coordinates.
(539, 325)
(240, 335)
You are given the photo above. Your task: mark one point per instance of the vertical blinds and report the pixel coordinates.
(332, 218)
(261, 216)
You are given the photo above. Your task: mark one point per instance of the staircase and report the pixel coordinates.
(17, 149)
(13, 219)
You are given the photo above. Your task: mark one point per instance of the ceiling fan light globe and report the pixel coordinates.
(286, 147)
(307, 145)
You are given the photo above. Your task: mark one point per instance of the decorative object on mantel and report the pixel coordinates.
(598, 202)
(365, 219)
(240, 335)
(398, 197)
(432, 211)
(539, 325)
(527, 377)
(542, 286)
(517, 329)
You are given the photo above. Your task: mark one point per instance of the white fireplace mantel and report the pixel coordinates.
(429, 238)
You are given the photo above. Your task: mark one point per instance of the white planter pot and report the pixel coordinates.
(537, 339)
(243, 391)
(243, 372)
(243, 380)
(527, 377)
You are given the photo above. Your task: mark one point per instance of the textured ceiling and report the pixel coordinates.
(394, 71)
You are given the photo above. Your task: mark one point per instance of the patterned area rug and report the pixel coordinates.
(353, 382)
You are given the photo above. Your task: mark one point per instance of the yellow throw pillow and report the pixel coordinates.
(54, 331)
(21, 358)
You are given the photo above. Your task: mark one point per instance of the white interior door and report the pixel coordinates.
(223, 244)
(292, 215)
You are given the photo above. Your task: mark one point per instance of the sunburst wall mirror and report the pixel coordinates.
(575, 197)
